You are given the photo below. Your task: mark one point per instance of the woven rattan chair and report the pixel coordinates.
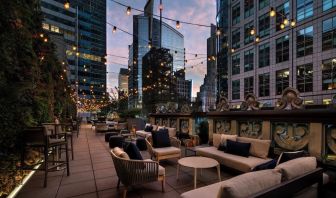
(133, 172)
(174, 151)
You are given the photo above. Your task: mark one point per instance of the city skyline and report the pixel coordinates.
(198, 12)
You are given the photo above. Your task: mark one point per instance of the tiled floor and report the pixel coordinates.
(92, 174)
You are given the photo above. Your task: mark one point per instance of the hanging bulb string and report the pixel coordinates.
(166, 18)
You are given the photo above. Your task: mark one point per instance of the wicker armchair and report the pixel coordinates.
(174, 151)
(132, 172)
(194, 140)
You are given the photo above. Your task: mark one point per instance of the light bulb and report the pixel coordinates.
(252, 32)
(178, 24)
(66, 5)
(114, 29)
(128, 10)
(272, 12)
(285, 22)
(282, 26)
(293, 23)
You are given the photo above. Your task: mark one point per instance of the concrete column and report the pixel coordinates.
(315, 139)
(266, 130)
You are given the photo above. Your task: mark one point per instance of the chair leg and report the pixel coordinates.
(118, 183)
(125, 192)
(45, 166)
(67, 159)
(72, 151)
(163, 183)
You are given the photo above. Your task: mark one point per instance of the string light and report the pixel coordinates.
(128, 10)
(257, 39)
(114, 29)
(252, 32)
(218, 32)
(45, 40)
(282, 26)
(161, 6)
(74, 48)
(178, 24)
(232, 50)
(285, 22)
(293, 23)
(66, 4)
(272, 12)
(149, 44)
(41, 35)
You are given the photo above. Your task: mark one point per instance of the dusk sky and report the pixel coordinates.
(196, 11)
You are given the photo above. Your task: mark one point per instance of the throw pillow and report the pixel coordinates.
(296, 167)
(267, 165)
(148, 128)
(161, 138)
(133, 151)
(222, 147)
(238, 148)
(286, 156)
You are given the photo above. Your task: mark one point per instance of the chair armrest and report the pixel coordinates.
(149, 147)
(175, 142)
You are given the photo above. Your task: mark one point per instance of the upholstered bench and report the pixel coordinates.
(116, 141)
(109, 134)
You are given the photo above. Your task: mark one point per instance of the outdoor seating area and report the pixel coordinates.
(128, 171)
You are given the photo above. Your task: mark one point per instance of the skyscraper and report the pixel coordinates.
(183, 86)
(146, 30)
(123, 80)
(279, 44)
(83, 27)
(208, 90)
(222, 20)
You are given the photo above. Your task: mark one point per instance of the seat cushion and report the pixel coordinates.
(161, 139)
(259, 148)
(296, 167)
(225, 137)
(238, 148)
(172, 132)
(143, 133)
(209, 191)
(243, 164)
(248, 184)
(120, 153)
(167, 150)
(133, 151)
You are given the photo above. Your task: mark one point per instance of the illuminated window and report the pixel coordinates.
(45, 26)
(329, 74)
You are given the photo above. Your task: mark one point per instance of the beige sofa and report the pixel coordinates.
(258, 153)
(283, 181)
(144, 134)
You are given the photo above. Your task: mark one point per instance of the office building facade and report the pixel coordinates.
(83, 27)
(123, 80)
(183, 87)
(146, 30)
(294, 46)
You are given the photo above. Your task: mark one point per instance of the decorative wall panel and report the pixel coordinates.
(184, 125)
(173, 123)
(290, 136)
(250, 129)
(330, 131)
(222, 126)
(165, 122)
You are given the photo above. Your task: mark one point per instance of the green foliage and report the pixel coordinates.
(130, 113)
(31, 89)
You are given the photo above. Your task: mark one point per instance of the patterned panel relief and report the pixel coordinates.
(222, 126)
(250, 129)
(173, 123)
(165, 122)
(331, 139)
(184, 125)
(158, 121)
(290, 136)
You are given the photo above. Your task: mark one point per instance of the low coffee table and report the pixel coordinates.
(197, 162)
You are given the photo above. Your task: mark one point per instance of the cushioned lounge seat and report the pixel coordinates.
(243, 164)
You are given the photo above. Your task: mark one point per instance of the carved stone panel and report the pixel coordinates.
(290, 136)
(158, 121)
(250, 129)
(222, 126)
(290, 99)
(330, 131)
(165, 122)
(184, 125)
(173, 123)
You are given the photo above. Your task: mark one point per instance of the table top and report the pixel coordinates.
(198, 162)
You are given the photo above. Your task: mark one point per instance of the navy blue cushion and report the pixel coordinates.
(133, 151)
(161, 138)
(149, 128)
(238, 148)
(222, 147)
(286, 156)
(267, 165)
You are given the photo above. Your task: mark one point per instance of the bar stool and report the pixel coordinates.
(42, 138)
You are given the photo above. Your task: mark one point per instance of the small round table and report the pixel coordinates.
(197, 163)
